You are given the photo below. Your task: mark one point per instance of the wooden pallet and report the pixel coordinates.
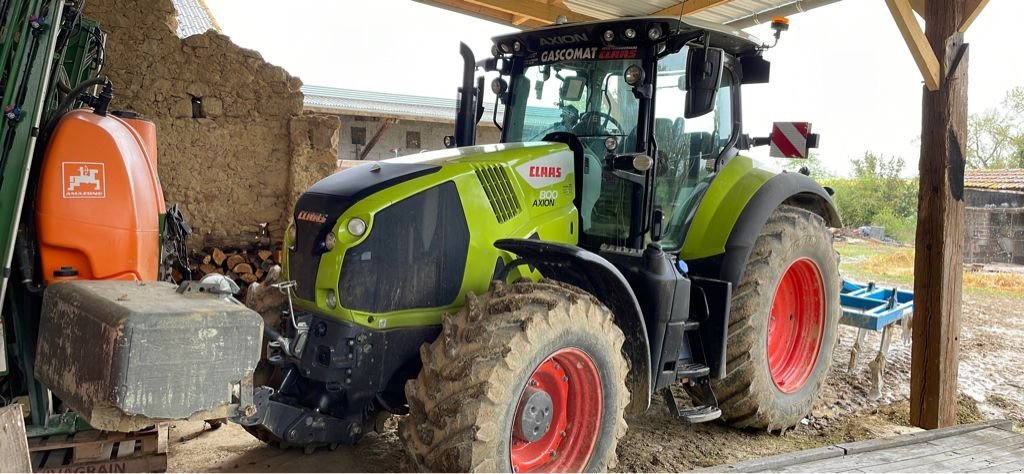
(101, 451)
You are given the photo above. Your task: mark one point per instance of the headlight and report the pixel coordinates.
(517, 46)
(505, 48)
(654, 33)
(629, 33)
(330, 241)
(633, 75)
(642, 162)
(332, 299)
(499, 86)
(609, 36)
(356, 226)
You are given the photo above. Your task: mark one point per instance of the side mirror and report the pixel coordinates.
(704, 68)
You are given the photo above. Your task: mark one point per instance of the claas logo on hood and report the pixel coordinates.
(314, 217)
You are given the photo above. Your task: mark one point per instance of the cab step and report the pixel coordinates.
(697, 414)
(691, 370)
(699, 385)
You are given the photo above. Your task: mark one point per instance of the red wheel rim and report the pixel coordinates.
(796, 325)
(570, 378)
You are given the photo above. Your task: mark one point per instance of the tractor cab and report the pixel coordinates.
(650, 106)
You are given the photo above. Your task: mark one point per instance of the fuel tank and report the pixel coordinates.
(99, 203)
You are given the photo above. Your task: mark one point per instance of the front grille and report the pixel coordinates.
(499, 190)
(414, 257)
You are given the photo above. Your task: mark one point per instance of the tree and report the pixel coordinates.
(876, 194)
(995, 138)
(813, 162)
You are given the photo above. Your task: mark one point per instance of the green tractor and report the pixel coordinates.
(518, 300)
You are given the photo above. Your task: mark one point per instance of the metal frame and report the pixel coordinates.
(868, 306)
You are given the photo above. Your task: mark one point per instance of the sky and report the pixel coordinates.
(842, 67)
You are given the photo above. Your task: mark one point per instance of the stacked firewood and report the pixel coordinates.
(244, 266)
(251, 261)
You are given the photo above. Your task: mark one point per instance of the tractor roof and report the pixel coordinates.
(591, 33)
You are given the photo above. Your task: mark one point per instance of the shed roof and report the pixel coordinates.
(194, 18)
(1002, 180)
(339, 101)
(380, 104)
(534, 13)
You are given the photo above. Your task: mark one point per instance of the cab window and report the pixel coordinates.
(687, 148)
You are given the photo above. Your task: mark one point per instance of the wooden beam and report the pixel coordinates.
(483, 12)
(519, 20)
(532, 9)
(14, 454)
(938, 264)
(918, 6)
(689, 7)
(923, 54)
(376, 136)
(974, 8)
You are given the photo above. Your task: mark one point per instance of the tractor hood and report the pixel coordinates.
(536, 165)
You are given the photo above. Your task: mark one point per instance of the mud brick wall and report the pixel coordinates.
(234, 146)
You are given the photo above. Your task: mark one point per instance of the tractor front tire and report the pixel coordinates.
(528, 377)
(782, 324)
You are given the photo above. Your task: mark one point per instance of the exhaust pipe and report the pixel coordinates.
(468, 100)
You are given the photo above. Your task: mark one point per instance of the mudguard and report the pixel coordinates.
(597, 276)
(788, 188)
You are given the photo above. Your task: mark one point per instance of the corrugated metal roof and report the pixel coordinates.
(401, 106)
(194, 18)
(1002, 180)
(380, 104)
(720, 13)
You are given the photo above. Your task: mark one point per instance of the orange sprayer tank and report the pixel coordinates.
(100, 201)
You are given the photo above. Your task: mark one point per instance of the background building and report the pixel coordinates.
(995, 216)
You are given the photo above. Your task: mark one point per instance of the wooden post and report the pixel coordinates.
(938, 270)
(14, 456)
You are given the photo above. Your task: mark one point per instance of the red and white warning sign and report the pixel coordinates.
(84, 180)
(789, 139)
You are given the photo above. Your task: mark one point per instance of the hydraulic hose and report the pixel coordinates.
(68, 101)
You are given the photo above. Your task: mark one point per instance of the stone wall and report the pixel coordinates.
(233, 144)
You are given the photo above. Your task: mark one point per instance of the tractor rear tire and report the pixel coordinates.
(782, 324)
(468, 407)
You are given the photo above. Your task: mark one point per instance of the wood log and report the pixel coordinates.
(233, 261)
(207, 268)
(248, 278)
(218, 256)
(242, 269)
(265, 254)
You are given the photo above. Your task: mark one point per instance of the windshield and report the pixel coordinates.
(587, 98)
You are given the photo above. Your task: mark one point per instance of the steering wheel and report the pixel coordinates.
(589, 121)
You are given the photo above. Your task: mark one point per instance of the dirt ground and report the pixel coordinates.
(991, 384)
